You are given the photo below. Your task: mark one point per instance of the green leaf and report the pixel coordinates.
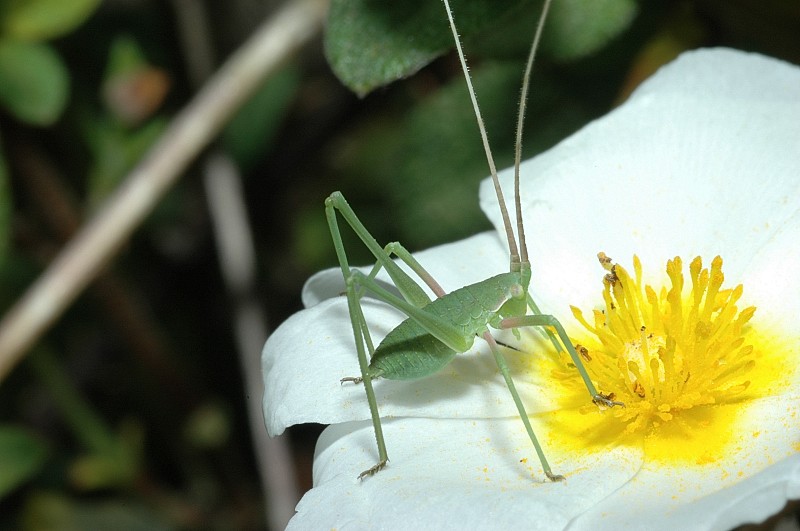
(252, 129)
(577, 28)
(37, 20)
(21, 456)
(370, 43)
(34, 83)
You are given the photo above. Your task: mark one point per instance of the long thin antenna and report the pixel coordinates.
(523, 247)
(512, 243)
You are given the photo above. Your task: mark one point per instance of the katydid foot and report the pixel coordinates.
(375, 469)
(606, 400)
(354, 379)
(554, 477)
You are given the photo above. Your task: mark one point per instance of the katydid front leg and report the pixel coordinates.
(542, 320)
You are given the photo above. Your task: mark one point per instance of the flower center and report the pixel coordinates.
(681, 360)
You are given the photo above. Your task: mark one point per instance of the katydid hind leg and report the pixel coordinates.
(409, 289)
(362, 342)
(359, 332)
(413, 298)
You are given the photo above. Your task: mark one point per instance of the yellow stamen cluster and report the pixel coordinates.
(665, 353)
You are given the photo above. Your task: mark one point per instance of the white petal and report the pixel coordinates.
(724, 73)
(701, 161)
(773, 278)
(747, 486)
(451, 474)
(445, 473)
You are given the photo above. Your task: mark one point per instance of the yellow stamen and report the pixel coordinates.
(683, 364)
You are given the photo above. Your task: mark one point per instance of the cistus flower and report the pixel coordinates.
(693, 187)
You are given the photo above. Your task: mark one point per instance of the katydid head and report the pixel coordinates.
(518, 256)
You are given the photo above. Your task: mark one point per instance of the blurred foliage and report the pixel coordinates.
(37, 20)
(130, 412)
(22, 455)
(257, 122)
(34, 82)
(370, 43)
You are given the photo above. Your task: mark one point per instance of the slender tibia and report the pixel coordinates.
(501, 364)
(410, 290)
(360, 332)
(403, 254)
(548, 320)
(397, 249)
(359, 328)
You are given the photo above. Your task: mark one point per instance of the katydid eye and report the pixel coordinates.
(516, 291)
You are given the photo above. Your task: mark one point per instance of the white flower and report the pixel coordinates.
(702, 160)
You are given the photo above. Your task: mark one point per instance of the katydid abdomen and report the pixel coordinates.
(410, 351)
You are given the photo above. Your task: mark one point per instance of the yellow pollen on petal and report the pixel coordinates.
(684, 359)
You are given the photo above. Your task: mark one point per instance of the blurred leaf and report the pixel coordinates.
(208, 426)
(447, 159)
(577, 28)
(311, 238)
(253, 128)
(112, 459)
(133, 89)
(117, 464)
(682, 30)
(48, 511)
(116, 149)
(124, 56)
(370, 43)
(36, 20)
(21, 456)
(34, 83)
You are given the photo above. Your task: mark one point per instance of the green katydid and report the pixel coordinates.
(436, 331)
